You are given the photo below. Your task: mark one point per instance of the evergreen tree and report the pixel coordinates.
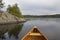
(1, 4)
(14, 10)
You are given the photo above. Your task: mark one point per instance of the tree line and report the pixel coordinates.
(42, 16)
(14, 9)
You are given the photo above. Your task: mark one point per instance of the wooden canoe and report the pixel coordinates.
(34, 34)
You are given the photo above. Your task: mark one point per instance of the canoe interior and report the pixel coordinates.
(34, 38)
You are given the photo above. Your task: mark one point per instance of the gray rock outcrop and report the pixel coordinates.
(9, 18)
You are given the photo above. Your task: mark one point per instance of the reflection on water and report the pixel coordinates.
(11, 30)
(49, 27)
(15, 31)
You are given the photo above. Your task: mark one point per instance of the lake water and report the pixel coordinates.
(50, 27)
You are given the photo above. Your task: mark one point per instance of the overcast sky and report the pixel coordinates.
(36, 7)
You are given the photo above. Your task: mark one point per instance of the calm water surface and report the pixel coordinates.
(49, 27)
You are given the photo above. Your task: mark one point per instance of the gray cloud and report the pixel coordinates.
(37, 7)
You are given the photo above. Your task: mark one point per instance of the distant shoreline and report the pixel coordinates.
(42, 16)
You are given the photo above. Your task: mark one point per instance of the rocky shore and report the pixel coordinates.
(6, 18)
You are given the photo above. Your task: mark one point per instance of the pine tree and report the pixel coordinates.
(14, 9)
(1, 4)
